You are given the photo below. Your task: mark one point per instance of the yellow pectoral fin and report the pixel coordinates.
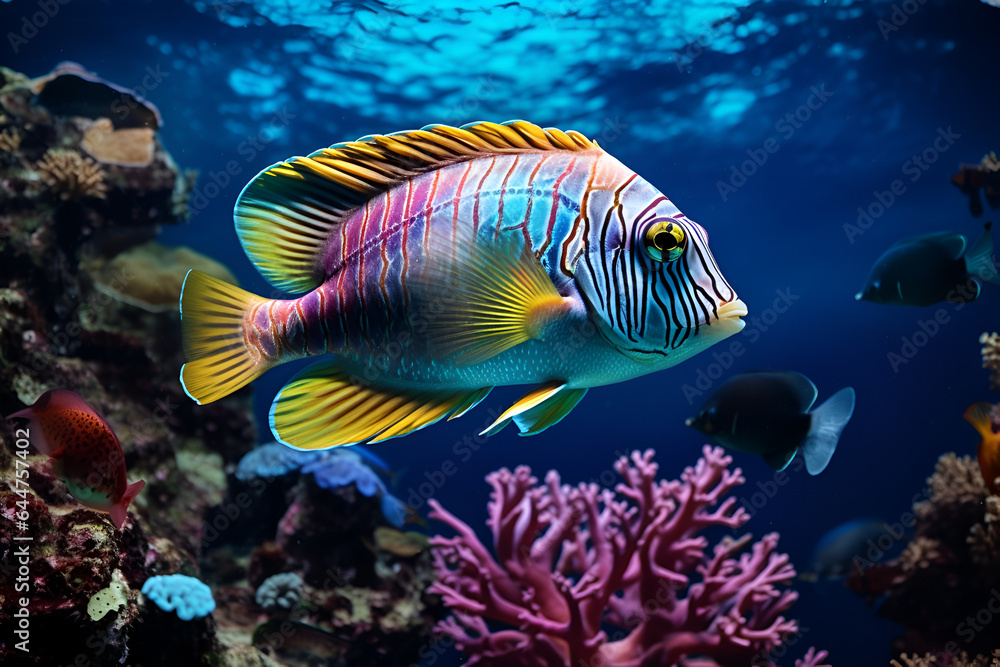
(324, 407)
(494, 295)
(523, 411)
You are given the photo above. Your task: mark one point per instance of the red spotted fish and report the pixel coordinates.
(438, 263)
(85, 451)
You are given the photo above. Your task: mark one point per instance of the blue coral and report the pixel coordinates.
(273, 460)
(176, 592)
(342, 468)
(331, 469)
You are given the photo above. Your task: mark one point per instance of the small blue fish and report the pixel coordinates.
(768, 413)
(925, 270)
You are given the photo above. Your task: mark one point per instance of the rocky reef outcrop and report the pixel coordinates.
(88, 303)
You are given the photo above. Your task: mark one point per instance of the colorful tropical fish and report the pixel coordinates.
(979, 415)
(439, 263)
(85, 451)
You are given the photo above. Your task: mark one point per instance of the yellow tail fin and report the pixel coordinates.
(212, 316)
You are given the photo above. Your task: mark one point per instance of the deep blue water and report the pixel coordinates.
(680, 116)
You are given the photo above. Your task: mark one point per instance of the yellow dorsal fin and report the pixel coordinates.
(285, 215)
(321, 408)
(978, 415)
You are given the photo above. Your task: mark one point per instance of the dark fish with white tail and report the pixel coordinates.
(929, 269)
(771, 414)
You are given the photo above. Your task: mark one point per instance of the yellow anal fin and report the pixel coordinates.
(533, 399)
(978, 415)
(212, 316)
(496, 295)
(321, 408)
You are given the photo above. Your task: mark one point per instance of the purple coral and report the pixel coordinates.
(574, 560)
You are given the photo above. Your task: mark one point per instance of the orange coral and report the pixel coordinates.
(71, 175)
(129, 147)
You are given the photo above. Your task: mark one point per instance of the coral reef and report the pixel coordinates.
(69, 175)
(280, 590)
(362, 597)
(128, 147)
(341, 466)
(151, 275)
(109, 599)
(573, 562)
(275, 460)
(72, 90)
(72, 562)
(991, 356)
(355, 587)
(88, 303)
(399, 543)
(943, 580)
(985, 176)
(179, 593)
(962, 660)
(58, 330)
(10, 141)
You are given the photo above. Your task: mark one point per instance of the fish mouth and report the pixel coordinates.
(727, 319)
(732, 310)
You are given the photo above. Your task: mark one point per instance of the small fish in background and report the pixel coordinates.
(86, 453)
(298, 643)
(768, 413)
(846, 547)
(978, 415)
(925, 270)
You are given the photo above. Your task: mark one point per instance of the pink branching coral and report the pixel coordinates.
(572, 561)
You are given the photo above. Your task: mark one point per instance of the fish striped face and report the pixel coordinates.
(651, 278)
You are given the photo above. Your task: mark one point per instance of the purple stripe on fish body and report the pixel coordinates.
(283, 329)
(373, 260)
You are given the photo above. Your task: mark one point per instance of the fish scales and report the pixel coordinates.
(384, 243)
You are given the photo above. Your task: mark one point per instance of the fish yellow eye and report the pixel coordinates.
(665, 241)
